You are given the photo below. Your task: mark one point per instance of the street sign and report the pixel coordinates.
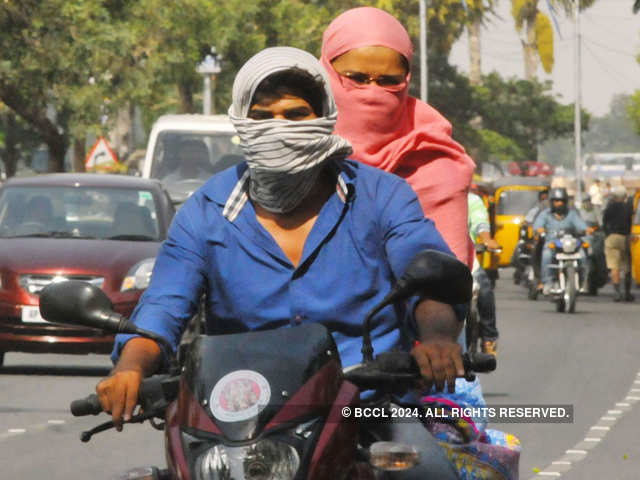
(101, 158)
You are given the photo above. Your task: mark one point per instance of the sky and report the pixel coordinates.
(610, 45)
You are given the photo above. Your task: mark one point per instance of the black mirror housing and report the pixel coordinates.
(78, 303)
(437, 276)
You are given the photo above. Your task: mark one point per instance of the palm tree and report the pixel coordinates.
(537, 40)
(477, 11)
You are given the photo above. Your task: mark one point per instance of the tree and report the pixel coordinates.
(633, 110)
(477, 10)
(524, 111)
(62, 68)
(537, 40)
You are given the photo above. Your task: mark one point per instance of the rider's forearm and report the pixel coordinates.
(140, 354)
(436, 320)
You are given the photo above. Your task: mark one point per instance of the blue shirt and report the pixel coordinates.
(363, 238)
(553, 225)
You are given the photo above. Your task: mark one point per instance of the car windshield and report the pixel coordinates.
(516, 202)
(182, 157)
(79, 212)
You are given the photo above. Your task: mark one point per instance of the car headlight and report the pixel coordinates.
(264, 460)
(138, 276)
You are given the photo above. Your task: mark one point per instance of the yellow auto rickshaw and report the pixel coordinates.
(635, 239)
(513, 198)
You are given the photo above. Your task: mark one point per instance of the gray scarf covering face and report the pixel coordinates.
(284, 157)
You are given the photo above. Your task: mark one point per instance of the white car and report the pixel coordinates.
(218, 142)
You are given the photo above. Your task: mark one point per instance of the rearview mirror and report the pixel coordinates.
(79, 303)
(431, 274)
(437, 276)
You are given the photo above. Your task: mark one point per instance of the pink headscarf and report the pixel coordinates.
(397, 133)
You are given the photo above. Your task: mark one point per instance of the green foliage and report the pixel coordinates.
(633, 110)
(613, 132)
(497, 147)
(524, 111)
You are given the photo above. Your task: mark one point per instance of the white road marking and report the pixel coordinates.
(17, 430)
(611, 416)
(56, 422)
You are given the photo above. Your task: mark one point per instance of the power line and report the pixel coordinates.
(609, 70)
(609, 48)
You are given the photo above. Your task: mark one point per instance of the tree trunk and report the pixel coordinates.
(475, 70)
(79, 154)
(120, 138)
(186, 98)
(57, 145)
(530, 47)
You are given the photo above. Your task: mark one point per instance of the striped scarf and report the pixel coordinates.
(284, 157)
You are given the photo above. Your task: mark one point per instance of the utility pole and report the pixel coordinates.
(578, 99)
(423, 51)
(208, 69)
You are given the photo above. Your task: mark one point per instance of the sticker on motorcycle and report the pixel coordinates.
(239, 396)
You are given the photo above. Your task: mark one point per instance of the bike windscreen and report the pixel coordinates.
(244, 379)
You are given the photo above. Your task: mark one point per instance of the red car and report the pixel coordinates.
(104, 229)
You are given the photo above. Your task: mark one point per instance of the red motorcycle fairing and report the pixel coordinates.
(336, 448)
(318, 392)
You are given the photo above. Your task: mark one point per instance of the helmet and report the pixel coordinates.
(559, 193)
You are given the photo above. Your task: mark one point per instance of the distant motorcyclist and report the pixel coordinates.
(616, 221)
(479, 226)
(529, 219)
(559, 217)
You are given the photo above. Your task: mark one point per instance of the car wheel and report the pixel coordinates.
(1, 359)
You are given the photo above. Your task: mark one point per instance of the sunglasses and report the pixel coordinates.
(380, 80)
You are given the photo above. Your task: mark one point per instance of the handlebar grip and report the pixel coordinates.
(86, 406)
(480, 363)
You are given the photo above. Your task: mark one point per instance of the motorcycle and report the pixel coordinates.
(263, 412)
(567, 270)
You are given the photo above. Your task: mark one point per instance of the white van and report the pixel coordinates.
(215, 132)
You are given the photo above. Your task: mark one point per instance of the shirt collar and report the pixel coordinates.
(237, 199)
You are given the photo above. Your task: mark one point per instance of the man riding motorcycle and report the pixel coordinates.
(559, 217)
(527, 247)
(295, 234)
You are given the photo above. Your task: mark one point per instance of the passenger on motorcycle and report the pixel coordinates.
(559, 217)
(296, 234)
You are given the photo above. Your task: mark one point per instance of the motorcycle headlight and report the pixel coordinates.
(264, 460)
(138, 276)
(568, 244)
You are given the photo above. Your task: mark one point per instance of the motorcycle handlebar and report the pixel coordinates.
(395, 370)
(86, 406)
(155, 394)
